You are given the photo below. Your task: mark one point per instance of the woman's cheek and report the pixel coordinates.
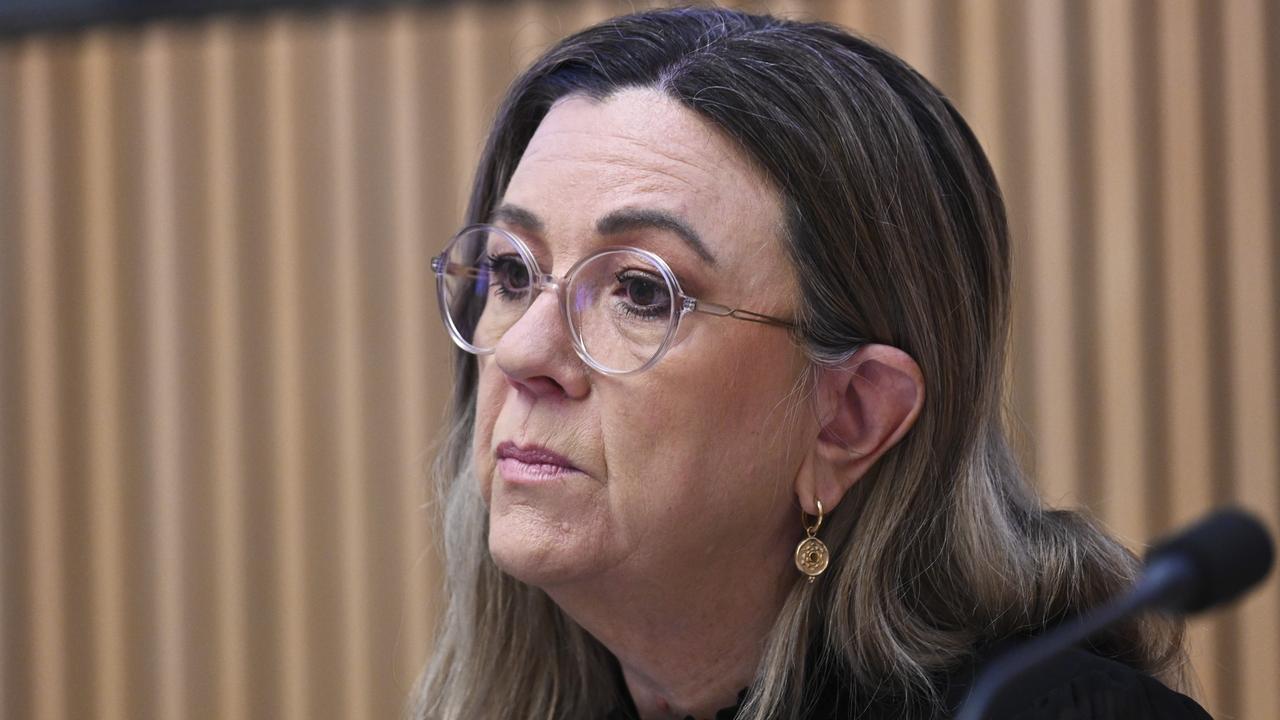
(487, 409)
(484, 476)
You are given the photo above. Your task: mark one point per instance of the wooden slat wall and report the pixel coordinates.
(221, 373)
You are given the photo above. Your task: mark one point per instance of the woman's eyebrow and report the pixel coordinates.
(518, 216)
(618, 221)
(625, 219)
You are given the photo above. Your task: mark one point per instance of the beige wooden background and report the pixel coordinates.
(221, 369)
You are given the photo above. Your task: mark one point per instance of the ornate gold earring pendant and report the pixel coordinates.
(811, 554)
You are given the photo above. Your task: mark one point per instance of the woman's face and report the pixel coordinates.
(691, 462)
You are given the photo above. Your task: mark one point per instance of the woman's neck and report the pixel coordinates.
(686, 645)
(707, 684)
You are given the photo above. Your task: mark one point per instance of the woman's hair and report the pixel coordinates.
(897, 230)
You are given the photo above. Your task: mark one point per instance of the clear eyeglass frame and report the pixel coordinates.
(682, 304)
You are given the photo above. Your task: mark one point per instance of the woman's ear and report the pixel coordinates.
(865, 406)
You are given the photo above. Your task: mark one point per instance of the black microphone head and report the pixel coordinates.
(1230, 551)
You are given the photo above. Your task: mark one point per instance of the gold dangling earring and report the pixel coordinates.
(811, 554)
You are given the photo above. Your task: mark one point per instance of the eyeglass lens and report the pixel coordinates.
(621, 304)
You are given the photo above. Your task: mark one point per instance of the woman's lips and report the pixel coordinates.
(531, 464)
(515, 471)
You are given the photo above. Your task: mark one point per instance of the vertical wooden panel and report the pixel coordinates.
(225, 383)
(996, 59)
(853, 14)
(287, 421)
(42, 471)
(916, 46)
(467, 47)
(411, 283)
(197, 485)
(1185, 293)
(793, 9)
(1050, 246)
(164, 422)
(1251, 235)
(979, 95)
(129, 190)
(70, 367)
(107, 513)
(12, 570)
(884, 23)
(440, 202)
(320, 510)
(349, 407)
(589, 12)
(1151, 258)
(384, 474)
(534, 32)
(254, 283)
(1117, 262)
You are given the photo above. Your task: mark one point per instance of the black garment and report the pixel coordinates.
(1078, 685)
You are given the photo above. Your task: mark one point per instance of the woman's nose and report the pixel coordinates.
(536, 353)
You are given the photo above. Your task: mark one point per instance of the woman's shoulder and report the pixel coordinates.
(1080, 684)
(1077, 685)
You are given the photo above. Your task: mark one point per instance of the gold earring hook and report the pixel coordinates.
(812, 530)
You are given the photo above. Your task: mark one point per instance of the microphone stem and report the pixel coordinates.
(1158, 580)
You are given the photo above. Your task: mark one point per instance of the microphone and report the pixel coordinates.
(1213, 562)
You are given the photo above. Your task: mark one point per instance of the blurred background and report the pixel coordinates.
(222, 371)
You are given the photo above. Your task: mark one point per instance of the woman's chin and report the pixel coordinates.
(539, 553)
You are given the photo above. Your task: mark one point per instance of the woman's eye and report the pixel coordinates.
(643, 294)
(509, 273)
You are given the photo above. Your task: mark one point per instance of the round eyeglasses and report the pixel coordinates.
(622, 305)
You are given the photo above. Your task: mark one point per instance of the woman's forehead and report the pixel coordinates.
(640, 153)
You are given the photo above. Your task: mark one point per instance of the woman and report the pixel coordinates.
(726, 430)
